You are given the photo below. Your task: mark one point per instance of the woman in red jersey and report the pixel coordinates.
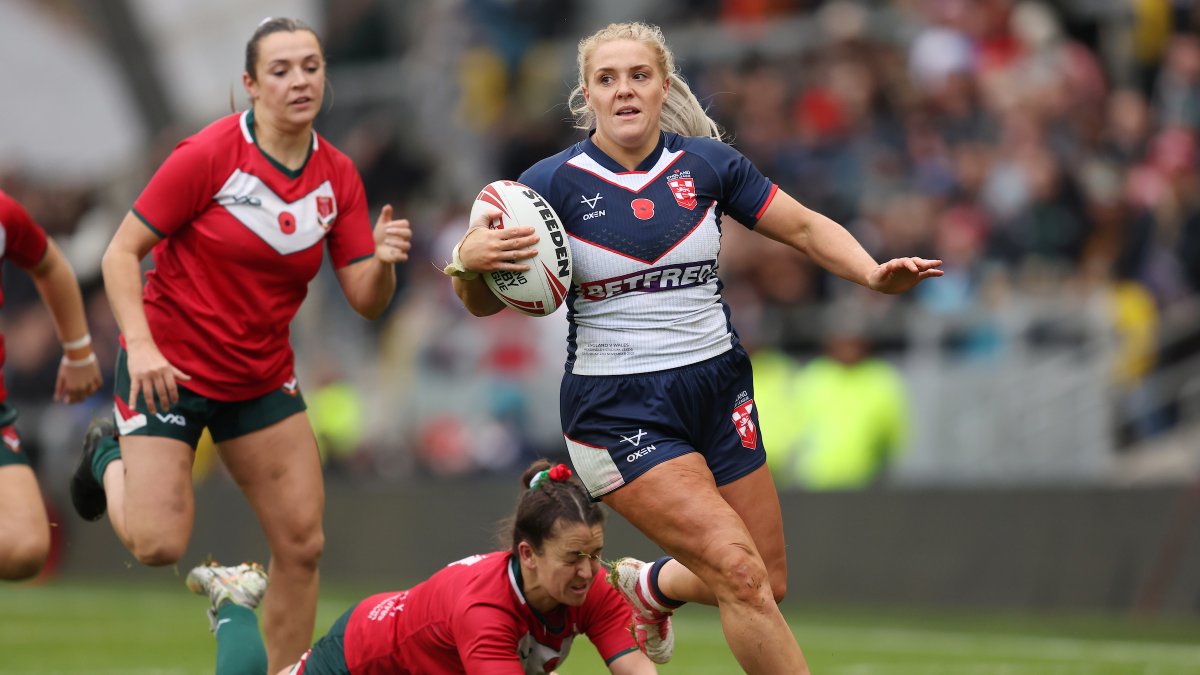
(503, 613)
(237, 218)
(24, 529)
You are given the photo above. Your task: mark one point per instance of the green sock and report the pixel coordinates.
(240, 648)
(108, 450)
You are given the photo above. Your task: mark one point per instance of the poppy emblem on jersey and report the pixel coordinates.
(744, 423)
(11, 439)
(684, 189)
(287, 223)
(643, 209)
(326, 211)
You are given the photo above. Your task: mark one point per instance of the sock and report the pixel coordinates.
(240, 649)
(108, 450)
(652, 578)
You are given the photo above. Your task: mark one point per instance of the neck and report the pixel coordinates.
(628, 158)
(536, 596)
(287, 146)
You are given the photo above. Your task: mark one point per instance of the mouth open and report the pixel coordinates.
(627, 111)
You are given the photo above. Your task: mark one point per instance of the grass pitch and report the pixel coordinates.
(69, 627)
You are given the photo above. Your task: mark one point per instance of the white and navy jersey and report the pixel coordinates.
(645, 294)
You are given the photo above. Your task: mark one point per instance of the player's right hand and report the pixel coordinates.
(486, 250)
(151, 375)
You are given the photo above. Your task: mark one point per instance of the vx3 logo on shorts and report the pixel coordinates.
(172, 418)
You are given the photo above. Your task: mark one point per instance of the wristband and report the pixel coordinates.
(79, 343)
(79, 363)
(456, 268)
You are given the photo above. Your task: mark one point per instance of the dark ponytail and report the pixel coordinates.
(556, 497)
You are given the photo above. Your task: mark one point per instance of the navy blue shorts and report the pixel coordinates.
(618, 426)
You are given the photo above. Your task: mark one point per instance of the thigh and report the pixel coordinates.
(279, 470)
(158, 498)
(21, 503)
(678, 506)
(755, 499)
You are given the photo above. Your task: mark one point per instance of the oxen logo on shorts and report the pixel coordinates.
(11, 439)
(744, 423)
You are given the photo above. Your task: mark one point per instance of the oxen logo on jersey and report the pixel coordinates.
(287, 227)
(643, 209)
(128, 419)
(326, 211)
(683, 188)
(11, 439)
(744, 423)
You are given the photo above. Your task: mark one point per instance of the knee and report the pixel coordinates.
(25, 559)
(157, 552)
(302, 548)
(741, 576)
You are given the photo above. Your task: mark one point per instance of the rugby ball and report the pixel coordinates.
(543, 288)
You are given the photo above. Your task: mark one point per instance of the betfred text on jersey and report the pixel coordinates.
(654, 279)
(556, 234)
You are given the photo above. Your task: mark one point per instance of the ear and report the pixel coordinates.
(587, 96)
(527, 555)
(666, 84)
(250, 86)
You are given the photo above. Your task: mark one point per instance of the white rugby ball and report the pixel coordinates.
(543, 288)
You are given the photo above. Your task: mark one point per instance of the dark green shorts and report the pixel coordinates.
(10, 441)
(328, 655)
(186, 420)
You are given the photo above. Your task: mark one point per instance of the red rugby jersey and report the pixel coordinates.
(21, 241)
(242, 238)
(471, 617)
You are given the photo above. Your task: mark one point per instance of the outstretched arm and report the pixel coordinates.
(78, 374)
(833, 248)
(369, 284)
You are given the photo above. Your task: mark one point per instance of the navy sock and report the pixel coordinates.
(655, 568)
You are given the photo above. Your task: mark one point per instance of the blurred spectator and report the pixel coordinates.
(847, 418)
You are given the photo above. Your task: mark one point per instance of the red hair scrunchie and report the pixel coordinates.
(560, 473)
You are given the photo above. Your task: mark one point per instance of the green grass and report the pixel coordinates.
(74, 627)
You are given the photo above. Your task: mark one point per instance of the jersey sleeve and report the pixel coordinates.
(606, 621)
(745, 192)
(21, 240)
(180, 189)
(487, 639)
(351, 238)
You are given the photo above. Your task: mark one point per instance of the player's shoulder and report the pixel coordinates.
(13, 214)
(706, 147)
(541, 174)
(216, 139)
(330, 153)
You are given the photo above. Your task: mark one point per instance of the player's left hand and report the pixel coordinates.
(76, 383)
(393, 238)
(901, 274)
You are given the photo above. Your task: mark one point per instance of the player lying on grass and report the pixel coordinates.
(506, 612)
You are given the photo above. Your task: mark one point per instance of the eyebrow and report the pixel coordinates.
(611, 68)
(306, 57)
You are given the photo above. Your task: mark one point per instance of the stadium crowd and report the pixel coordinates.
(1037, 152)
